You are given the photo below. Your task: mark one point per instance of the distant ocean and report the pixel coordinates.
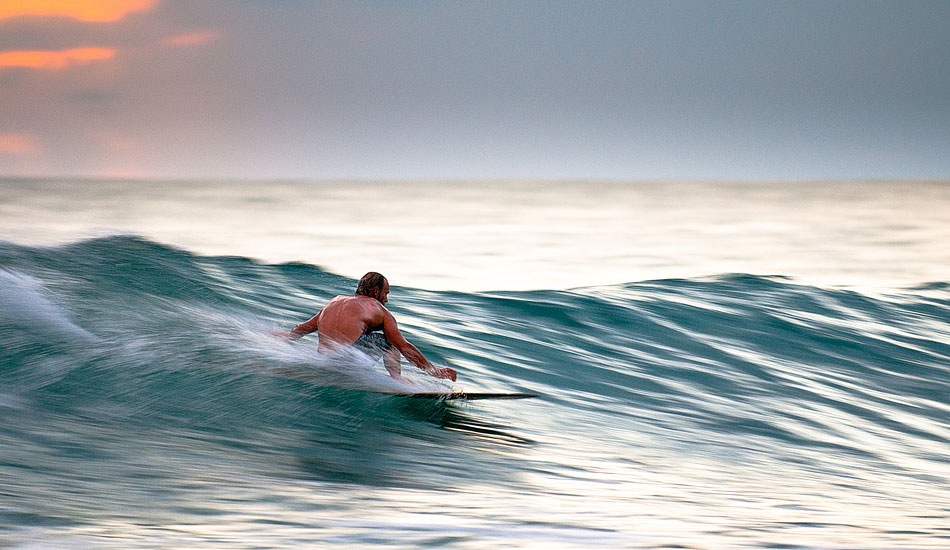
(721, 365)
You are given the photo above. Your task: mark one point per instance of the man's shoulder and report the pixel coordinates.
(364, 303)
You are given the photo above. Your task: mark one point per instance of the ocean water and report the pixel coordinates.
(720, 365)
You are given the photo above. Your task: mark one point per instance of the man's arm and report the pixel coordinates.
(305, 328)
(411, 352)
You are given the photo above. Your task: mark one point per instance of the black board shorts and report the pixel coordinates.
(373, 344)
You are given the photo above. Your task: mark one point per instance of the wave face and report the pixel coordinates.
(146, 403)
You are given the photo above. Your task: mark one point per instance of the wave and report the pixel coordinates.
(129, 329)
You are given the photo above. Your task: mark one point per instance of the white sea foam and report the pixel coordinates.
(256, 346)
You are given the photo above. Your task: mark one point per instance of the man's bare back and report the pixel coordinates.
(345, 319)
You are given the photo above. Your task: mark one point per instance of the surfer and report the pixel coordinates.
(362, 321)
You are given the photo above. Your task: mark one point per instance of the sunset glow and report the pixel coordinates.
(88, 10)
(18, 144)
(45, 59)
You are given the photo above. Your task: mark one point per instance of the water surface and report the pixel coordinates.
(721, 366)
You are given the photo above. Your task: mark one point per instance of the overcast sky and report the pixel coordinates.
(476, 89)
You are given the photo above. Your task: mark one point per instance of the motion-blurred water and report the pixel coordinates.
(144, 402)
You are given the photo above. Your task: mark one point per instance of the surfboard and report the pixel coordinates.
(460, 395)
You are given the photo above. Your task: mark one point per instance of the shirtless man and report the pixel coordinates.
(353, 320)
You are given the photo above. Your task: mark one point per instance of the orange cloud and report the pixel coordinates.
(83, 10)
(192, 39)
(18, 144)
(47, 59)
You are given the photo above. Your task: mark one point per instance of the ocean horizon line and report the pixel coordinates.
(476, 179)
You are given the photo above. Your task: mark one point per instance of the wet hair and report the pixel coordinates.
(369, 283)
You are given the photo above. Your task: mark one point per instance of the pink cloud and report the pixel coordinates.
(18, 144)
(193, 39)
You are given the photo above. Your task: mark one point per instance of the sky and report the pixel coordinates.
(483, 89)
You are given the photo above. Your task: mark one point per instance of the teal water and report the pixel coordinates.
(145, 403)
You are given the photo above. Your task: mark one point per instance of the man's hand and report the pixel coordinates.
(444, 373)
